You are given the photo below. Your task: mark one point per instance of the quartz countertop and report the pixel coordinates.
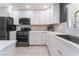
(5, 43)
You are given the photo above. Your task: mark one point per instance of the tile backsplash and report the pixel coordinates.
(34, 27)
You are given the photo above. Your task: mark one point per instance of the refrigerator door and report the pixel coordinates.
(10, 21)
(3, 29)
(10, 24)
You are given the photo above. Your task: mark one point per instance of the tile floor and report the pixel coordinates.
(31, 51)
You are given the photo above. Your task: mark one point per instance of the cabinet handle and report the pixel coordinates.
(59, 52)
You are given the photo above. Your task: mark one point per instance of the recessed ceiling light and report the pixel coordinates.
(27, 6)
(45, 6)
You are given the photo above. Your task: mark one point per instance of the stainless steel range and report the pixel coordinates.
(22, 38)
(23, 35)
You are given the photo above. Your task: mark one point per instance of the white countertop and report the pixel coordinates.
(67, 42)
(51, 32)
(6, 43)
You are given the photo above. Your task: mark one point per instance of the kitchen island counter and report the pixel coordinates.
(6, 46)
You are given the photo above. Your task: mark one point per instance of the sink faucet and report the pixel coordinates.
(75, 25)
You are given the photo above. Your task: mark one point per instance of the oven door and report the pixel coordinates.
(22, 38)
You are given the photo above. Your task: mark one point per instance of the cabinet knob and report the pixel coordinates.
(59, 52)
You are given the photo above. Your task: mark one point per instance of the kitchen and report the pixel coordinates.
(39, 29)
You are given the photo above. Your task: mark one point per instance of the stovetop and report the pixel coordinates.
(22, 32)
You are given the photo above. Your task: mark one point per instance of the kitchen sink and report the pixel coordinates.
(71, 38)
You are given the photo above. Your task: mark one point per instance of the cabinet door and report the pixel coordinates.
(12, 35)
(65, 50)
(42, 17)
(51, 16)
(56, 47)
(59, 49)
(36, 17)
(43, 38)
(15, 15)
(52, 45)
(30, 14)
(35, 38)
(56, 13)
(48, 16)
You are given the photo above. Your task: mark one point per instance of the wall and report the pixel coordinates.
(39, 27)
(34, 27)
(68, 28)
(4, 11)
(72, 8)
(64, 29)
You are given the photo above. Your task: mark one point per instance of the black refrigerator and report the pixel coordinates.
(5, 22)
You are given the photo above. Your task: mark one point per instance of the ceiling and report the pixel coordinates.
(22, 6)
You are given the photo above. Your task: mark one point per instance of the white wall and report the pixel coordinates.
(64, 29)
(72, 8)
(39, 28)
(4, 11)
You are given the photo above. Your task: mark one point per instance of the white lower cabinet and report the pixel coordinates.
(12, 35)
(61, 49)
(36, 38)
(57, 48)
(51, 44)
(43, 38)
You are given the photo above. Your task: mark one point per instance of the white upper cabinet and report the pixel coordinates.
(45, 16)
(30, 14)
(38, 17)
(48, 16)
(56, 13)
(51, 15)
(15, 15)
(42, 17)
